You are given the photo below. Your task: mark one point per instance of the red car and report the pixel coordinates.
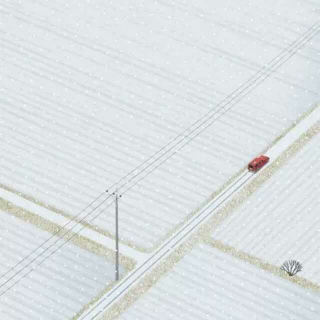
(257, 163)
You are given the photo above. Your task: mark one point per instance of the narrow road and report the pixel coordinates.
(173, 242)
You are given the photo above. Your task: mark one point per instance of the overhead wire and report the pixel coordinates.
(315, 31)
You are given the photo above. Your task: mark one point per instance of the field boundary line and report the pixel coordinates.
(261, 264)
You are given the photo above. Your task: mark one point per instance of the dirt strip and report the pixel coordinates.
(261, 264)
(53, 228)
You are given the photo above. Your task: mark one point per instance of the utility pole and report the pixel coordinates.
(117, 237)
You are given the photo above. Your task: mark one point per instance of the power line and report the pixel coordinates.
(188, 224)
(220, 195)
(52, 236)
(205, 115)
(192, 138)
(305, 37)
(59, 238)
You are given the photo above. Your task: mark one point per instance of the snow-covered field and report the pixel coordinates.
(59, 288)
(280, 221)
(208, 284)
(91, 89)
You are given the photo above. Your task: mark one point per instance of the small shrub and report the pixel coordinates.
(291, 267)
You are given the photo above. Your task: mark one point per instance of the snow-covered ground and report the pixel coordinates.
(56, 290)
(199, 226)
(91, 89)
(280, 221)
(208, 284)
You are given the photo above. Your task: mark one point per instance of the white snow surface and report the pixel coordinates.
(58, 288)
(281, 220)
(208, 284)
(65, 223)
(91, 89)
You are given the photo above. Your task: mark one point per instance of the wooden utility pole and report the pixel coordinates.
(117, 238)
